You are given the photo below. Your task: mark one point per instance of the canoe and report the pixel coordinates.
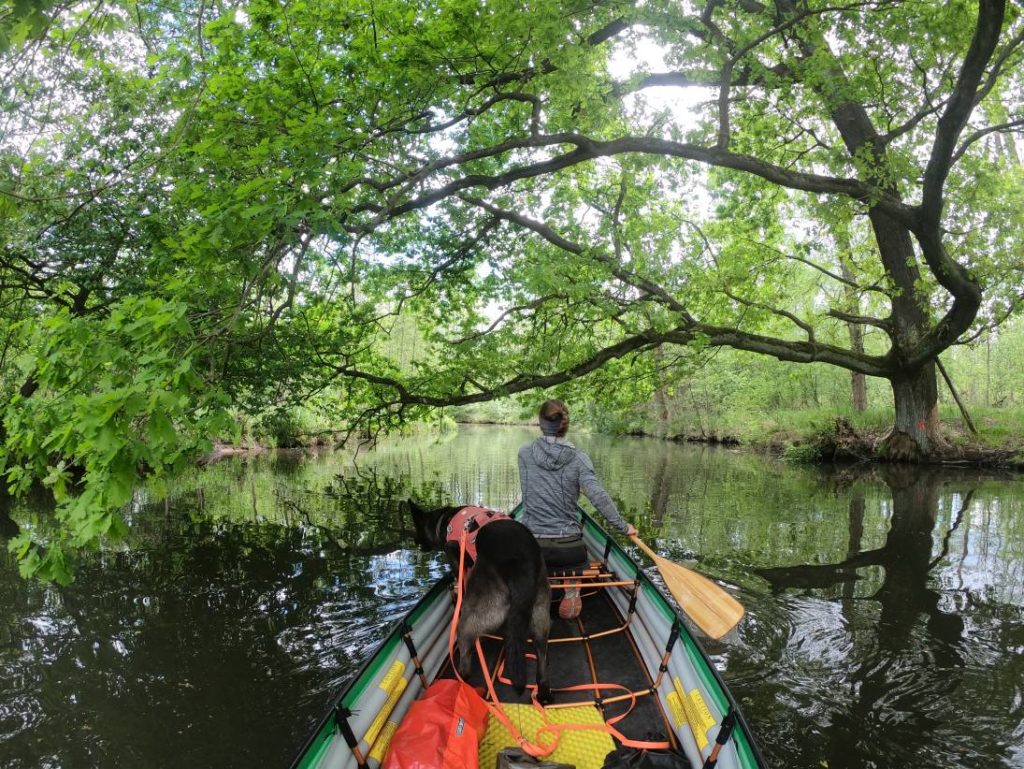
(629, 660)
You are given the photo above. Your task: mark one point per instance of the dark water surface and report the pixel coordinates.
(885, 625)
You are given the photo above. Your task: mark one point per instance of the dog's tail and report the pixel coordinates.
(522, 589)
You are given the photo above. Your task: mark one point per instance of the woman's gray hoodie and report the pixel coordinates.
(552, 473)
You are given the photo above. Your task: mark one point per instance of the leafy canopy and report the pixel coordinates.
(246, 204)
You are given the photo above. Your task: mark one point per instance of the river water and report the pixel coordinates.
(884, 626)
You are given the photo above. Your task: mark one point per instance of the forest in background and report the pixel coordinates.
(730, 397)
(753, 400)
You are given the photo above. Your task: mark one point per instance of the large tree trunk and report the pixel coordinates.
(916, 433)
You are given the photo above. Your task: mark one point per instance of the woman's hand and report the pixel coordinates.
(631, 531)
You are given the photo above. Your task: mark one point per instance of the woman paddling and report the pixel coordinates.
(552, 473)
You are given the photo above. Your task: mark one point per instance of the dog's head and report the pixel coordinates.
(430, 525)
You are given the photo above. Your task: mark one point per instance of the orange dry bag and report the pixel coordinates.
(442, 730)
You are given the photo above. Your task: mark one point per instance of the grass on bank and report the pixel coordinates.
(997, 427)
(782, 428)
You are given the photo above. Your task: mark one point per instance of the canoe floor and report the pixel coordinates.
(607, 659)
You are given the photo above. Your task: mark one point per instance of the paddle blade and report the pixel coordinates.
(710, 607)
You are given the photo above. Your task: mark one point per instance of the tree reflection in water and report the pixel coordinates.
(890, 707)
(234, 610)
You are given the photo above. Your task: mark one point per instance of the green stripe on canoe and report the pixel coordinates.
(700, 663)
(380, 659)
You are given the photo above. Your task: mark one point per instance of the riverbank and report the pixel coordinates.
(817, 435)
(824, 437)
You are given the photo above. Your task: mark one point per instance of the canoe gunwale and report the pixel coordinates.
(695, 648)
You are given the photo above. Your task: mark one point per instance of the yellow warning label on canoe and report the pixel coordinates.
(380, 747)
(675, 704)
(704, 713)
(698, 716)
(395, 672)
(679, 687)
(385, 711)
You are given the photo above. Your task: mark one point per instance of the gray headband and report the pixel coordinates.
(550, 426)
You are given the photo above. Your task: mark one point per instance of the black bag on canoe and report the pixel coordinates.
(516, 758)
(635, 758)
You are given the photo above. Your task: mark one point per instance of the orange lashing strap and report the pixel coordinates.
(494, 705)
(609, 725)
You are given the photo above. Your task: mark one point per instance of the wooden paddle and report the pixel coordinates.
(712, 609)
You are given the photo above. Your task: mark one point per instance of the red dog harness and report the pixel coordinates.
(471, 519)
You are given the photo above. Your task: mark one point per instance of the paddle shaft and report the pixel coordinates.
(643, 546)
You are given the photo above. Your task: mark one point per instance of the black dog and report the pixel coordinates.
(507, 590)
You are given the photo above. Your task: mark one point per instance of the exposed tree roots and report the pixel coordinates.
(842, 443)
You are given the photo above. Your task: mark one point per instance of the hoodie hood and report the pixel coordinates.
(552, 454)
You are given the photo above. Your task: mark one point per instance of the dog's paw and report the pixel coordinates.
(544, 696)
